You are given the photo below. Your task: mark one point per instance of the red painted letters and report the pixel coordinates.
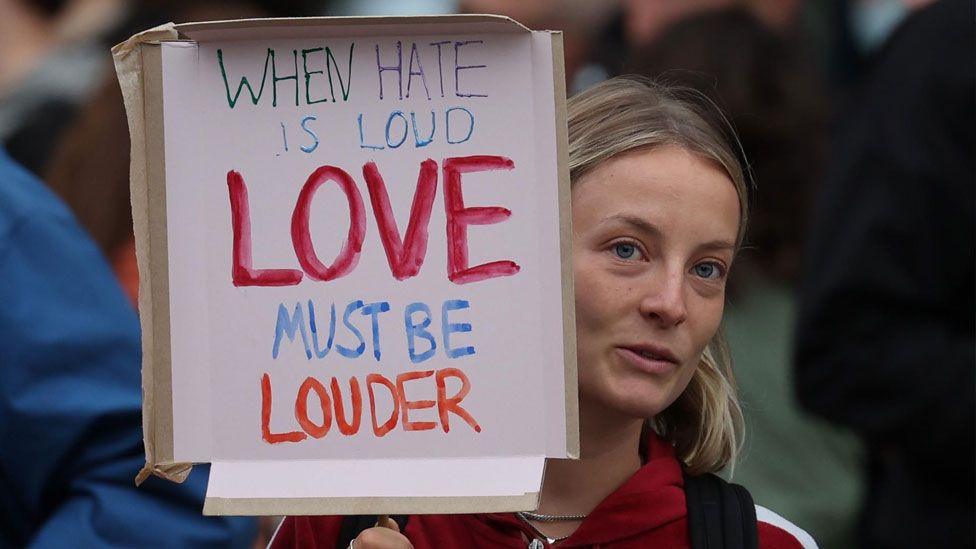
(407, 405)
(459, 217)
(405, 258)
(402, 405)
(301, 408)
(302, 240)
(242, 274)
(453, 404)
(345, 427)
(266, 434)
(380, 430)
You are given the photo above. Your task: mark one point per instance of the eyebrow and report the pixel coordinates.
(638, 223)
(718, 245)
(649, 228)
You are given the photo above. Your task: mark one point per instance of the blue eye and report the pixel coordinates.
(708, 270)
(624, 250)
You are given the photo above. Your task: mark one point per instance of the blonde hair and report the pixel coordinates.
(625, 114)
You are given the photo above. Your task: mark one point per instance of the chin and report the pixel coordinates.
(644, 409)
(632, 400)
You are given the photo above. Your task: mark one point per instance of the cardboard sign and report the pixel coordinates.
(353, 240)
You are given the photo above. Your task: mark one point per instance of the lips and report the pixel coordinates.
(653, 359)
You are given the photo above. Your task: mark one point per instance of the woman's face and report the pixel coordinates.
(653, 239)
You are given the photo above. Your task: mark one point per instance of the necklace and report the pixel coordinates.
(541, 517)
(526, 516)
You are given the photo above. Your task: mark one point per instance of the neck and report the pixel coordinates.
(609, 456)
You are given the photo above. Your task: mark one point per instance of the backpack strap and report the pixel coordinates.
(353, 525)
(720, 515)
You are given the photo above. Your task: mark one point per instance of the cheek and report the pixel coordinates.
(595, 314)
(707, 315)
(707, 319)
(684, 378)
(602, 305)
(591, 303)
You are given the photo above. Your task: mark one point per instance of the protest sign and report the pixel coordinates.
(353, 242)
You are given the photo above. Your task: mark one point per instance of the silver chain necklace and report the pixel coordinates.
(526, 516)
(541, 517)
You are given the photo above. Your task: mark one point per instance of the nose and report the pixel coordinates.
(664, 300)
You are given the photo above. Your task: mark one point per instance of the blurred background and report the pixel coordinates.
(851, 310)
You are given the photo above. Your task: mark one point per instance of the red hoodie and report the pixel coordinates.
(647, 511)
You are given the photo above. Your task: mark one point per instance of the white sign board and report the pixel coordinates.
(353, 240)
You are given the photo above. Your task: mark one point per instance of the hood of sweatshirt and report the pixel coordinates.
(652, 498)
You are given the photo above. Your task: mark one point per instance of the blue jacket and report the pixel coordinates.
(70, 395)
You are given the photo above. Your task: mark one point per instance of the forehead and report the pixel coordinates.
(666, 186)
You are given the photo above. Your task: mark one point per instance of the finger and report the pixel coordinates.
(381, 538)
(386, 522)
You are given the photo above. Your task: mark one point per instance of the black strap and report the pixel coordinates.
(747, 507)
(353, 525)
(720, 515)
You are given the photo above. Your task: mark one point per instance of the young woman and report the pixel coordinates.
(659, 210)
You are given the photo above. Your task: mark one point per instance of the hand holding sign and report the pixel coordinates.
(385, 535)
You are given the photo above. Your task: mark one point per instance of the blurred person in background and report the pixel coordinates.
(70, 396)
(579, 20)
(645, 21)
(885, 341)
(637, 24)
(52, 57)
(852, 32)
(772, 93)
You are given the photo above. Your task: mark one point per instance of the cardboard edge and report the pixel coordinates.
(370, 505)
(231, 24)
(155, 238)
(147, 183)
(143, 105)
(566, 247)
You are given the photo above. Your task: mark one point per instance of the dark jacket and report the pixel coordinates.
(885, 341)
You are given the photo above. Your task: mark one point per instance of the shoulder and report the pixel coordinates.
(51, 266)
(24, 196)
(775, 532)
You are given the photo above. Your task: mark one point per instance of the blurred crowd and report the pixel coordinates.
(851, 309)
